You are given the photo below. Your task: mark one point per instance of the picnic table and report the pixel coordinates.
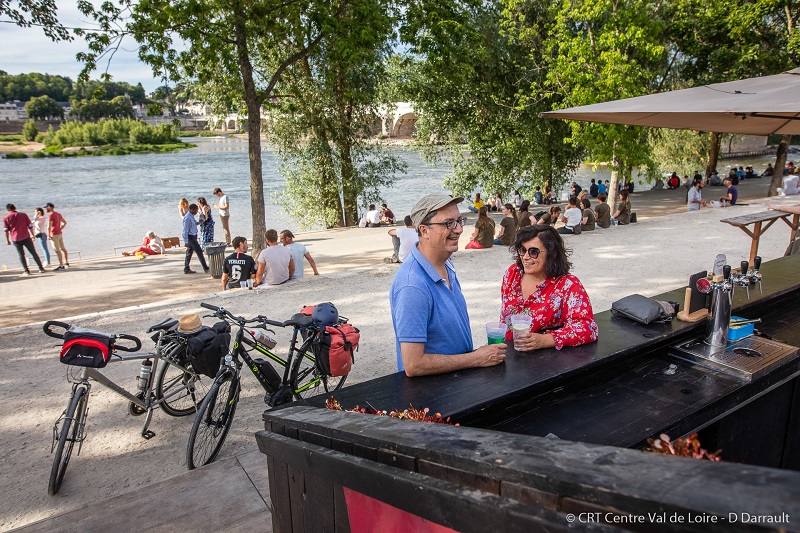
(758, 220)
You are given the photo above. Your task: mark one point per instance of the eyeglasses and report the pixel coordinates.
(449, 224)
(533, 252)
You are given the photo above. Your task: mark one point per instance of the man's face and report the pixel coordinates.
(49, 209)
(438, 236)
(193, 210)
(284, 239)
(242, 248)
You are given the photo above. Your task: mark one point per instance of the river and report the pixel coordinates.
(113, 201)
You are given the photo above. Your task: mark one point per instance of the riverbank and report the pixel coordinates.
(654, 255)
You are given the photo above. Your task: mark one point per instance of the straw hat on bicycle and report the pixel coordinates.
(189, 324)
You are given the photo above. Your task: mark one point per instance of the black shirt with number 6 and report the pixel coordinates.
(238, 267)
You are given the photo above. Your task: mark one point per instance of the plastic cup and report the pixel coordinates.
(520, 325)
(496, 332)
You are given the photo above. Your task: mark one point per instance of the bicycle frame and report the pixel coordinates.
(239, 349)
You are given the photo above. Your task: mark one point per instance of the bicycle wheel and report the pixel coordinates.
(179, 391)
(307, 380)
(213, 420)
(70, 433)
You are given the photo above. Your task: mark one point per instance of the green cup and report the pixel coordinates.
(496, 332)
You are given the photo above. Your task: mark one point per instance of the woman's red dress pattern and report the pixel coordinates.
(560, 305)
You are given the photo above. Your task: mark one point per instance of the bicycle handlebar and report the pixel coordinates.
(209, 306)
(47, 328)
(54, 323)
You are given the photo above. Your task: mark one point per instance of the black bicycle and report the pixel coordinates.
(301, 377)
(166, 379)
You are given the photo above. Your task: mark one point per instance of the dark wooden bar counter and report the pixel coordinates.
(614, 391)
(334, 471)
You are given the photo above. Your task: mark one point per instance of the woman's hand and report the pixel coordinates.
(529, 342)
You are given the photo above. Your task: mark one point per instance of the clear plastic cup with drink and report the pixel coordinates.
(520, 325)
(496, 332)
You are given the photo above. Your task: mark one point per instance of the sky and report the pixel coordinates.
(25, 50)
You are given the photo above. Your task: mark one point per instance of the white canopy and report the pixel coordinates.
(755, 106)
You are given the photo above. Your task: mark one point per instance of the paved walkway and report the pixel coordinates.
(230, 495)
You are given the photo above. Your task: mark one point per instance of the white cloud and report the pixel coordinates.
(24, 50)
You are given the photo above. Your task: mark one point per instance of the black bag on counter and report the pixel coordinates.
(643, 309)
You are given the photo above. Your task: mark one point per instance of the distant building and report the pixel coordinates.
(8, 112)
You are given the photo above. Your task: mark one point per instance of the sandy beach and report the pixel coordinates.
(124, 295)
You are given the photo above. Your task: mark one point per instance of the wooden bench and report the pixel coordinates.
(171, 242)
(757, 220)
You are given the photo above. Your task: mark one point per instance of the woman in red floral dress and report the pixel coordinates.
(539, 284)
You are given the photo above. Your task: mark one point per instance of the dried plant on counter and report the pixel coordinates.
(419, 415)
(688, 447)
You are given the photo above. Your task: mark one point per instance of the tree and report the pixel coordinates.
(321, 131)
(119, 107)
(474, 82)
(30, 131)
(23, 87)
(601, 50)
(238, 50)
(44, 107)
(725, 41)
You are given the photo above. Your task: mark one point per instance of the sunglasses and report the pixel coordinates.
(449, 224)
(533, 252)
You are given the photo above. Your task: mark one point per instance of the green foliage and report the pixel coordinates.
(321, 132)
(109, 90)
(119, 107)
(477, 91)
(10, 137)
(23, 87)
(16, 155)
(155, 110)
(42, 13)
(108, 132)
(30, 131)
(44, 107)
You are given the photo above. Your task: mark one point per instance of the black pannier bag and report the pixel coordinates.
(207, 347)
(84, 347)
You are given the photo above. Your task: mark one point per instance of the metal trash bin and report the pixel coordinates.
(215, 255)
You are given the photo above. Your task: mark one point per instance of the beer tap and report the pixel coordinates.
(748, 277)
(719, 322)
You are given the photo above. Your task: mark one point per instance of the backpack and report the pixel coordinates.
(207, 347)
(334, 349)
(538, 215)
(84, 347)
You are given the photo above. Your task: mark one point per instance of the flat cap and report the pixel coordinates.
(429, 203)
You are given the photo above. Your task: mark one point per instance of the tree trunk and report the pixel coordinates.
(345, 145)
(253, 103)
(715, 139)
(780, 162)
(613, 189)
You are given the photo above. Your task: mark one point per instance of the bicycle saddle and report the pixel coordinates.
(166, 325)
(299, 320)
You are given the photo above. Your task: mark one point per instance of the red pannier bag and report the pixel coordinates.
(335, 349)
(84, 347)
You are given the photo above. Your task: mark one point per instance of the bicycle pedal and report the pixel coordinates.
(148, 434)
(279, 397)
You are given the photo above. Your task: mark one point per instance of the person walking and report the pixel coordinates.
(190, 238)
(55, 227)
(429, 312)
(299, 252)
(40, 221)
(224, 213)
(17, 227)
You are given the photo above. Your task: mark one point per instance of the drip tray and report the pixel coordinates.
(748, 358)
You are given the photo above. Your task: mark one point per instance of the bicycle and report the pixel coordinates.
(173, 386)
(301, 377)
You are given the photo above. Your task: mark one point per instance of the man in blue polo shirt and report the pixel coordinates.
(429, 312)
